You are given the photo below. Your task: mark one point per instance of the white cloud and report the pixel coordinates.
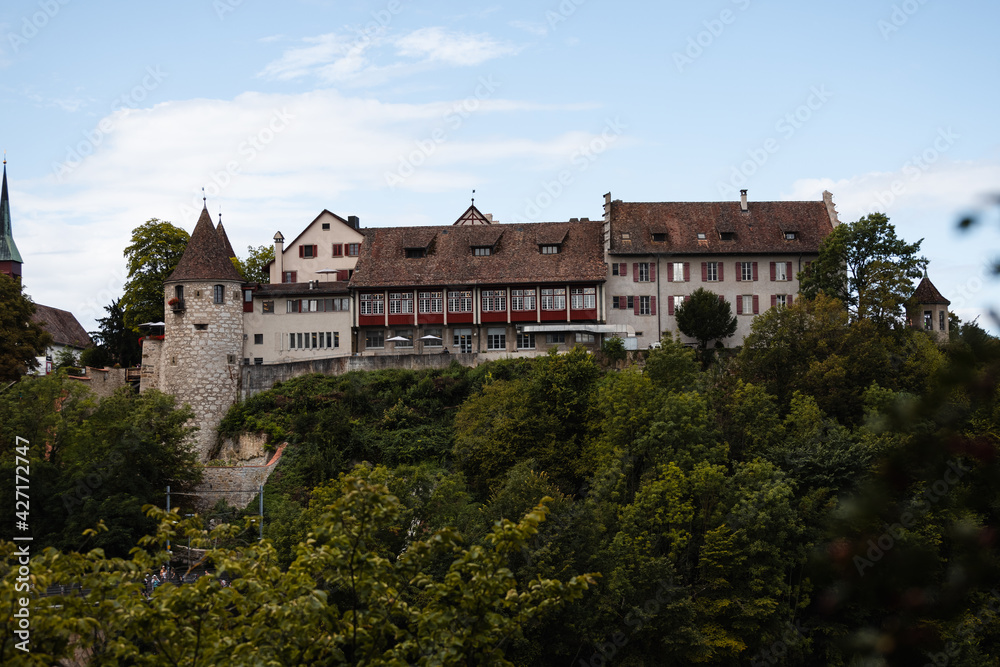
(453, 48)
(536, 28)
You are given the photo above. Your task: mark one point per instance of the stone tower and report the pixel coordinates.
(198, 360)
(929, 310)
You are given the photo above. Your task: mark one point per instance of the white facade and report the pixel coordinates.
(328, 243)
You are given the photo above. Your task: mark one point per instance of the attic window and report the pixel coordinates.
(326, 226)
(702, 236)
(549, 249)
(416, 253)
(626, 236)
(482, 251)
(727, 236)
(791, 236)
(659, 237)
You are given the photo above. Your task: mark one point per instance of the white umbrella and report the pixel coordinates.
(398, 339)
(430, 337)
(153, 324)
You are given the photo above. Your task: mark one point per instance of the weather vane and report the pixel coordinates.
(473, 197)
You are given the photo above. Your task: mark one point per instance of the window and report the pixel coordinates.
(289, 276)
(326, 226)
(352, 249)
(584, 338)
(780, 300)
(702, 236)
(371, 304)
(482, 251)
(615, 302)
(928, 320)
(747, 304)
(630, 303)
(941, 320)
(307, 251)
(727, 236)
(781, 271)
(313, 338)
(554, 298)
(460, 301)
(526, 341)
(710, 272)
(415, 253)
(267, 306)
(403, 333)
(791, 236)
(218, 294)
(430, 302)
(643, 272)
(342, 303)
(248, 296)
(258, 339)
(298, 338)
(291, 341)
(555, 338)
(338, 250)
(522, 299)
(614, 269)
(258, 361)
(644, 305)
(583, 298)
(201, 327)
(659, 238)
(551, 249)
(746, 271)
(431, 342)
(401, 303)
(374, 338)
(494, 300)
(496, 338)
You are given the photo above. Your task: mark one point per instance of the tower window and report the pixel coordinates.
(218, 294)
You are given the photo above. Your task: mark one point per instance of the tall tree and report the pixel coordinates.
(865, 265)
(254, 268)
(704, 317)
(21, 339)
(118, 342)
(156, 247)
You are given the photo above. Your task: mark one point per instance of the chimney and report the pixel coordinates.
(354, 221)
(743, 201)
(276, 268)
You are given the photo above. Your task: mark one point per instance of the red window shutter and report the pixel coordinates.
(294, 276)
(739, 304)
(302, 251)
(687, 272)
(635, 305)
(343, 274)
(756, 304)
(623, 269)
(670, 305)
(739, 272)
(755, 271)
(652, 272)
(315, 251)
(704, 272)
(635, 272)
(788, 270)
(652, 305)
(788, 299)
(670, 272)
(687, 298)
(774, 300)
(773, 272)
(721, 265)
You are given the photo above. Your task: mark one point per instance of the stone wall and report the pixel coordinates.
(248, 449)
(261, 378)
(200, 362)
(105, 381)
(236, 484)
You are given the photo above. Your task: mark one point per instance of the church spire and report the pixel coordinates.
(10, 258)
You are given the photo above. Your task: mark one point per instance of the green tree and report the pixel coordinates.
(118, 343)
(672, 366)
(867, 267)
(21, 339)
(254, 268)
(704, 317)
(151, 257)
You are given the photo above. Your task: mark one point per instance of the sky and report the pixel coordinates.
(113, 113)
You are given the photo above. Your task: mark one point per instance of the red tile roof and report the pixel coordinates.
(515, 259)
(205, 258)
(759, 230)
(928, 294)
(63, 326)
(221, 231)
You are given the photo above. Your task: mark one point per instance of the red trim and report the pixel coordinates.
(687, 272)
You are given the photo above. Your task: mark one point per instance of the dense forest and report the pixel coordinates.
(824, 495)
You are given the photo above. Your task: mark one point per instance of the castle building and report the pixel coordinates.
(928, 310)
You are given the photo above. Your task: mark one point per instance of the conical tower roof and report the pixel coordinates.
(221, 231)
(8, 249)
(927, 293)
(206, 257)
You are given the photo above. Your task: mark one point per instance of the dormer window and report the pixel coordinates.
(659, 237)
(416, 253)
(626, 236)
(549, 249)
(482, 251)
(702, 236)
(791, 236)
(727, 236)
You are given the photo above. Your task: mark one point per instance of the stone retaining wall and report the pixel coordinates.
(236, 484)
